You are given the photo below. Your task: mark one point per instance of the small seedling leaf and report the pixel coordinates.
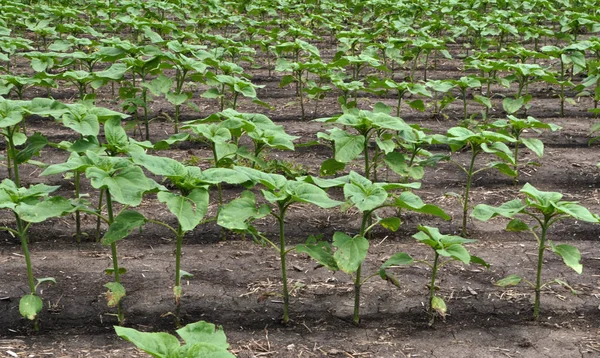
(115, 293)
(439, 306)
(510, 280)
(30, 306)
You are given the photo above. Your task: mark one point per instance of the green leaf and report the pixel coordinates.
(392, 223)
(576, 211)
(320, 251)
(115, 134)
(236, 214)
(40, 211)
(417, 104)
(399, 258)
(351, 251)
(460, 253)
(203, 332)
(517, 225)
(331, 166)
(189, 210)
(161, 345)
(363, 193)
(34, 144)
(123, 225)
(511, 105)
(348, 147)
(412, 202)
(438, 304)
(309, 193)
(509, 209)
(483, 100)
(115, 293)
(536, 146)
(570, 255)
(30, 305)
(510, 280)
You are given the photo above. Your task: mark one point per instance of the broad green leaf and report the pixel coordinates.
(86, 124)
(510, 280)
(399, 258)
(363, 193)
(160, 165)
(392, 223)
(30, 305)
(545, 198)
(115, 133)
(412, 202)
(223, 175)
(576, 211)
(509, 209)
(42, 210)
(570, 255)
(460, 253)
(160, 345)
(483, 100)
(348, 147)
(320, 251)
(189, 210)
(331, 166)
(123, 225)
(536, 146)
(34, 144)
(351, 251)
(115, 293)
(203, 332)
(309, 193)
(511, 105)
(516, 225)
(235, 214)
(201, 350)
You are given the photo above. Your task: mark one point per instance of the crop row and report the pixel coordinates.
(189, 50)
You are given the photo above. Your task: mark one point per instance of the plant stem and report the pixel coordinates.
(177, 288)
(282, 256)
(98, 221)
(357, 281)
(115, 258)
(474, 153)
(430, 313)
(538, 278)
(22, 229)
(77, 213)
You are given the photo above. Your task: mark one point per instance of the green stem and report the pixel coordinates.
(474, 153)
(177, 289)
(538, 278)
(430, 313)
(77, 213)
(98, 219)
(13, 155)
(357, 281)
(282, 255)
(115, 258)
(146, 124)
